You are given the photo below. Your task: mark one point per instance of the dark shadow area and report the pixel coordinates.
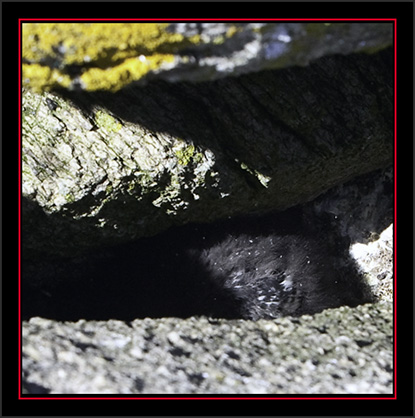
(152, 277)
(250, 267)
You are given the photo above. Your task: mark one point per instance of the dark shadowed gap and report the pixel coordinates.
(187, 271)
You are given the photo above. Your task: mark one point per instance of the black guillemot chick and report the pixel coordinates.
(280, 275)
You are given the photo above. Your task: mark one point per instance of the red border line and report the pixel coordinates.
(395, 164)
(24, 20)
(227, 398)
(178, 397)
(20, 210)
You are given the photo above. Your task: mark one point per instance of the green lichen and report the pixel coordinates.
(131, 187)
(70, 198)
(262, 178)
(106, 121)
(185, 155)
(188, 155)
(109, 189)
(198, 158)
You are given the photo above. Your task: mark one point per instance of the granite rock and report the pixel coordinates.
(101, 169)
(340, 351)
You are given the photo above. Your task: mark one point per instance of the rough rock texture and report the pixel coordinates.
(105, 168)
(108, 56)
(376, 263)
(339, 351)
(171, 274)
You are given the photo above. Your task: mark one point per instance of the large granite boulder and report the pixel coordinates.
(106, 168)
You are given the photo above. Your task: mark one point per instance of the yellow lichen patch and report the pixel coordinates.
(79, 43)
(185, 155)
(232, 31)
(102, 55)
(38, 75)
(128, 71)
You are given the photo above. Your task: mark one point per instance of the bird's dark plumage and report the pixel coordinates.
(278, 275)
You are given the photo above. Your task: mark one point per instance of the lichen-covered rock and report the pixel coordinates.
(102, 168)
(102, 177)
(340, 351)
(106, 168)
(109, 56)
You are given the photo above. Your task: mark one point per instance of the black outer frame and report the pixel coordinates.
(402, 404)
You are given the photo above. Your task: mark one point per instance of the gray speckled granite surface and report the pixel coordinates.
(339, 351)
